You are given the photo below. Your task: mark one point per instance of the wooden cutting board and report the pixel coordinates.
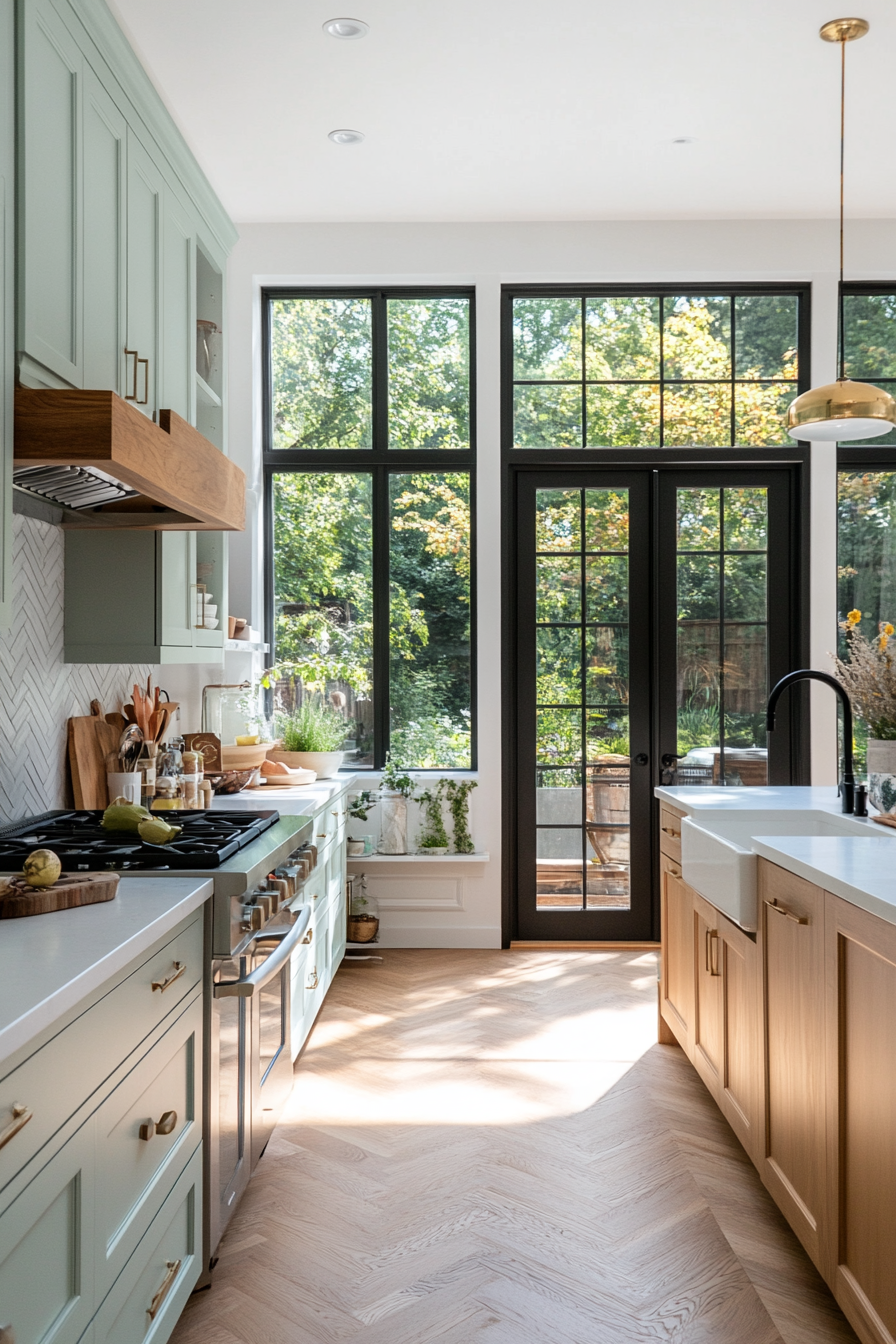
(90, 739)
(65, 893)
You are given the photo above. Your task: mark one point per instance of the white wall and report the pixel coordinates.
(487, 256)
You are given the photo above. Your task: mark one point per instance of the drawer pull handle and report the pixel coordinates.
(142, 401)
(308, 936)
(674, 872)
(712, 962)
(670, 830)
(165, 1125)
(21, 1114)
(321, 835)
(132, 395)
(313, 977)
(179, 968)
(173, 1267)
(788, 914)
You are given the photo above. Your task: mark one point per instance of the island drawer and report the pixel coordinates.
(670, 833)
(38, 1097)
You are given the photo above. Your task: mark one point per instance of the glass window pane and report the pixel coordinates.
(606, 734)
(607, 830)
(698, 588)
(558, 798)
(429, 373)
(558, 588)
(698, 520)
(558, 654)
(547, 338)
(746, 518)
(558, 519)
(699, 699)
(429, 620)
(622, 337)
(558, 736)
(546, 416)
(606, 591)
(866, 546)
(323, 599)
(558, 869)
(746, 674)
(745, 587)
(607, 671)
(697, 414)
(766, 335)
(606, 520)
(760, 413)
(623, 415)
(697, 338)
(321, 373)
(869, 336)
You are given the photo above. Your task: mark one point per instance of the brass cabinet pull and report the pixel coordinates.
(132, 395)
(145, 398)
(321, 835)
(712, 962)
(179, 968)
(674, 872)
(21, 1114)
(173, 1267)
(788, 914)
(313, 976)
(165, 1125)
(308, 936)
(668, 830)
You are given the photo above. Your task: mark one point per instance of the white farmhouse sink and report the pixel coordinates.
(717, 857)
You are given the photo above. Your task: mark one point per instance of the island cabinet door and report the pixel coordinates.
(740, 1083)
(861, 1093)
(791, 941)
(677, 965)
(709, 1025)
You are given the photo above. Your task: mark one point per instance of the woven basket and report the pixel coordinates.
(362, 928)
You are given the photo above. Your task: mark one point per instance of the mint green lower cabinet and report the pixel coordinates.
(150, 1293)
(133, 596)
(47, 1249)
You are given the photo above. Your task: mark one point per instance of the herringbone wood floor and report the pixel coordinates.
(490, 1147)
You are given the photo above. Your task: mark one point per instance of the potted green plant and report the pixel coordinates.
(396, 788)
(869, 678)
(358, 809)
(433, 838)
(312, 738)
(459, 791)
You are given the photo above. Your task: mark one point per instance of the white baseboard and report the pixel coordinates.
(483, 937)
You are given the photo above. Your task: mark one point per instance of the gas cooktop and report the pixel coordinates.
(207, 840)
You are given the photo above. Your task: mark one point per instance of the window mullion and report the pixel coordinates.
(380, 332)
(381, 616)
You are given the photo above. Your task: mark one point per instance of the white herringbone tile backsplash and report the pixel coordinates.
(39, 692)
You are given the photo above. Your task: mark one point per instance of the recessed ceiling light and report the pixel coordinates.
(684, 140)
(345, 137)
(346, 28)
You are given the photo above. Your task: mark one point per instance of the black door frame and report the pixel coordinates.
(791, 760)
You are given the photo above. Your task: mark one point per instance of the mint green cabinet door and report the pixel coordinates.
(105, 151)
(50, 173)
(143, 278)
(46, 1249)
(176, 579)
(178, 323)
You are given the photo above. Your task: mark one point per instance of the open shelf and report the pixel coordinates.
(205, 394)
(418, 858)
(244, 646)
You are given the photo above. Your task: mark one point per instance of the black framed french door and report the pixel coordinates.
(655, 608)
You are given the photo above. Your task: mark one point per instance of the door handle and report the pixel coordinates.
(132, 395)
(712, 962)
(642, 758)
(245, 987)
(145, 398)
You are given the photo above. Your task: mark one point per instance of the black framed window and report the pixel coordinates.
(602, 367)
(866, 481)
(369, 448)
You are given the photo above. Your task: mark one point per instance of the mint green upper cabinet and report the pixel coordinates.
(178, 308)
(105, 205)
(50, 210)
(145, 187)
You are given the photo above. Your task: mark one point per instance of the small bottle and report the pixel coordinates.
(192, 776)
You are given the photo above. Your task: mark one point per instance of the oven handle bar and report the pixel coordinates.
(246, 986)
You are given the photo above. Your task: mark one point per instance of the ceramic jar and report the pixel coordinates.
(393, 824)
(882, 774)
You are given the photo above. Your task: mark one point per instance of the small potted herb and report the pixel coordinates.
(312, 738)
(433, 838)
(459, 791)
(396, 788)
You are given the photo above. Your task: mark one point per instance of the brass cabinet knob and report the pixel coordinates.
(162, 985)
(164, 1125)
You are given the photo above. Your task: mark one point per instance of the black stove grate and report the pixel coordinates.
(208, 839)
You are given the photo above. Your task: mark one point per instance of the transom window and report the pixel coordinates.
(368, 462)
(641, 370)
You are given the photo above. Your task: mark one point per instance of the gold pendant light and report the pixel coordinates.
(845, 409)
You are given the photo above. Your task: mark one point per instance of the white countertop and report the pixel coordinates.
(859, 868)
(292, 801)
(49, 963)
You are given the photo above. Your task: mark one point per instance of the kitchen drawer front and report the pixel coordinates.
(670, 833)
(162, 1271)
(136, 1173)
(298, 995)
(57, 1079)
(46, 1250)
(338, 927)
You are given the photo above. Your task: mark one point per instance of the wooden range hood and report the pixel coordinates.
(183, 482)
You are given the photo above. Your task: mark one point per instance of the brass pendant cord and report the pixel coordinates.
(842, 144)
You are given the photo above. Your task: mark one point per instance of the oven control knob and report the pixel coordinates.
(265, 903)
(254, 916)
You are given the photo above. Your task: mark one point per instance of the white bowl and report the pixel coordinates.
(210, 625)
(210, 608)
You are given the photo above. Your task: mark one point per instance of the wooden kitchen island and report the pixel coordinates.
(793, 1031)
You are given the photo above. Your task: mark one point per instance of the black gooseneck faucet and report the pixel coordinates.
(848, 780)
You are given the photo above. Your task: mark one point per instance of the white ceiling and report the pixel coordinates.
(525, 109)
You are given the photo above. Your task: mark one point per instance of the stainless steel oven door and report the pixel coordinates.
(228, 1137)
(265, 988)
